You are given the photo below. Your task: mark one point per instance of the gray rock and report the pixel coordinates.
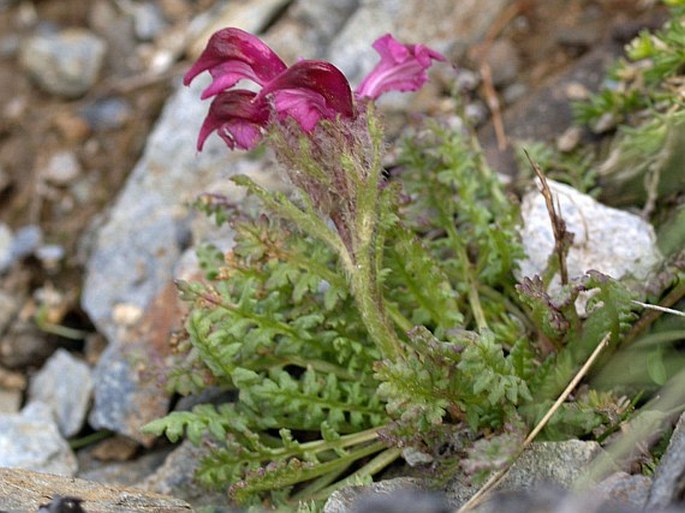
(623, 488)
(50, 256)
(542, 464)
(119, 473)
(108, 113)
(65, 63)
(252, 16)
(177, 476)
(608, 240)
(307, 28)
(559, 463)
(148, 20)
(401, 501)
(62, 168)
(669, 479)
(31, 440)
(346, 499)
(65, 385)
(23, 491)
(549, 499)
(26, 241)
(24, 345)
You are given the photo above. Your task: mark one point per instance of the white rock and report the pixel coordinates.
(614, 242)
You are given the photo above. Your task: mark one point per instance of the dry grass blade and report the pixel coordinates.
(497, 476)
(659, 308)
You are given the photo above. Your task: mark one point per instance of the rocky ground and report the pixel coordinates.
(98, 162)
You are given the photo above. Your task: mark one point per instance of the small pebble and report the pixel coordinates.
(26, 240)
(126, 314)
(514, 92)
(50, 256)
(569, 140)
(66, 63)
(148, 21)
(577, 91)
(62, 168)
(108, 113)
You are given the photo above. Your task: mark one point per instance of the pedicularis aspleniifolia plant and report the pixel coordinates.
(367, 312)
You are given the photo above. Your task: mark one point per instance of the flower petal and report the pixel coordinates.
(237, 118)
(310, 90)
(401, 68)
(231, 55)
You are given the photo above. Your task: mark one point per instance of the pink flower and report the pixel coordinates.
(307, 91)
(231, 55)
(238, 119)
(402, 68)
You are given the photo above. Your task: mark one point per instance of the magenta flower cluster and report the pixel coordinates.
(307, 91)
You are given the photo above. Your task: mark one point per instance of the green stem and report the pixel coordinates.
(370, 304)
(367, 254)
(371, 468)
(472, 291)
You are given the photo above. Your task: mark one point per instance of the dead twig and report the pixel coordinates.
(492, 101)
(562, 238)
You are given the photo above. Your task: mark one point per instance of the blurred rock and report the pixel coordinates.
(65, 385)
(550, 499)
(669, 479)
(120, 473)
(401, 501)
(26, 240)
(608, 240)
(177, 476)
(148, 20)
(50, 256)
(252, 16)
(542, 464)
(558, 463)
(544, 113)
(504, 62)
(66, 63)
(31, 440)
(23, 345)
(346, 500)
(108, 113)
(23, 491)
(626, 489)
(6, 257)
(307, 28)
(62, 168)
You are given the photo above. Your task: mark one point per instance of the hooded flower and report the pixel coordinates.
(307, 91)
(231, 55)
(402, 68)
(238, 119)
